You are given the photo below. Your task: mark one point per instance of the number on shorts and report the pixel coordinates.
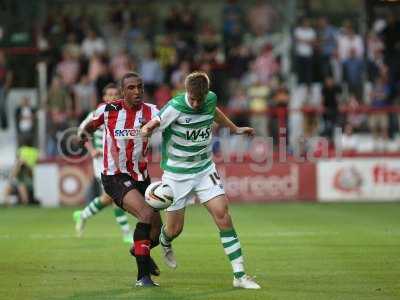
(215, 178)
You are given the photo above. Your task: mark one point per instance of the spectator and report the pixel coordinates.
(92, 44)
(391, 40)
(379, 120)
(238, 61)
(348, 141)
(59, 108)
(330, 101)
(178, 76)
(349, 43)
(5, 84)
(151, 72)
(121, 64)
(328, 44)
(21, 177)
(84, 96)
(353, 68)
(232, 24)
(266, 65)
(279, 101)
(258, 105)
(261, 17)
(25, 120)
(305, 37)
(68, 69)
(238, 104)
(72, 46)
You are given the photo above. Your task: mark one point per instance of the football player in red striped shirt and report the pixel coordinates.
(124, 173)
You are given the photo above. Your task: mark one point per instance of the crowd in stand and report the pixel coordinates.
(335, 65)
(352, 72)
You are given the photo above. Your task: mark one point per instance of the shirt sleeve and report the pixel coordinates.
(94, 119)
(167, 115)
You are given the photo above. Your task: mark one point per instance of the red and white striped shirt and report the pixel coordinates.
(124, 149)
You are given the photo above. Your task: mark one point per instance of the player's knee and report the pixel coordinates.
(223, 219)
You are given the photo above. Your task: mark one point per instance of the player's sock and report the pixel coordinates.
(122, 220)
(92, 208)
(165, 240)
(141, 238)
(231, 244)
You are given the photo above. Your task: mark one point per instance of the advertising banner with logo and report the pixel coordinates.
(62, 182)
(359, 179)
(282, 182)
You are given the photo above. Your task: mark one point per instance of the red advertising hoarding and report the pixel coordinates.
(281, 182)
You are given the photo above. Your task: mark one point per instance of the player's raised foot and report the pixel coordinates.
(169, 256)
(246, 282)
(79, 223)
(146, 281)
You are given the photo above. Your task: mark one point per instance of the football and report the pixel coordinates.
(159, 195)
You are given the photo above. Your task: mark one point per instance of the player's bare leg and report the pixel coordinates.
(174, 221)
(218, 208)
(134, 203)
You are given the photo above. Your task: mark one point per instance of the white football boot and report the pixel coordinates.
(245, 282)
(169, 256)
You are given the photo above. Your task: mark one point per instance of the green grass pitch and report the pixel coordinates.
(296, 251)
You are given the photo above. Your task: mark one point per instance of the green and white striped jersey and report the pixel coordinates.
(97, 141)
(187, 136)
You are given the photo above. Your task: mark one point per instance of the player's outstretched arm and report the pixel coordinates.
(223, 120)
(148, 128)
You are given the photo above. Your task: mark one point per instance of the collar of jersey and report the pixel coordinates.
(135, 108)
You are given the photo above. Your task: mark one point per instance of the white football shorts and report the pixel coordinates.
(205, 186)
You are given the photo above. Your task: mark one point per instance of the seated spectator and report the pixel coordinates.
(348, 141)
(21, 177)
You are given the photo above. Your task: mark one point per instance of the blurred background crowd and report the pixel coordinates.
(273, 65)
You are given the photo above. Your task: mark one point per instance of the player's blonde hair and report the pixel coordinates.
(197, 84)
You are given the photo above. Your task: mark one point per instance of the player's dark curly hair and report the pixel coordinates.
(128, 75)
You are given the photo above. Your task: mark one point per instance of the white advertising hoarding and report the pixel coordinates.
(359, 179)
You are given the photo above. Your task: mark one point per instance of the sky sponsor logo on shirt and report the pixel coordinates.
(126, 134)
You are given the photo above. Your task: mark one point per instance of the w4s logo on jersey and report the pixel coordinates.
(198, 135)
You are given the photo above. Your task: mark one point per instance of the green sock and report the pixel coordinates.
(92, 208)
(122, 220)
(233, 250)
